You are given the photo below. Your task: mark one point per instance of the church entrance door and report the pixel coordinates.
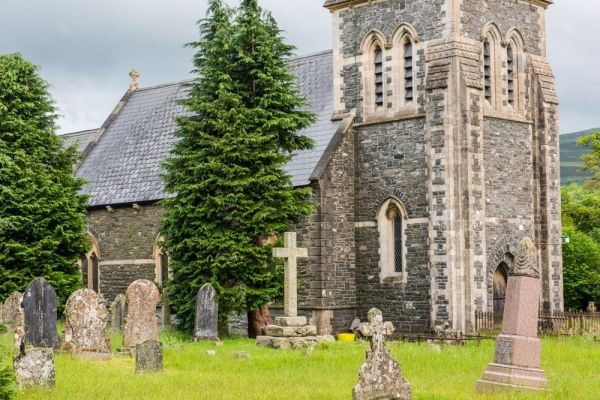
(94, 266)
(500, 281)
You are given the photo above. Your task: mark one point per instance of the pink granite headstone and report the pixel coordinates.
(141, 323)
(518, 352)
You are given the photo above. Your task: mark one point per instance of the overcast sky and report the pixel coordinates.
(85, 48)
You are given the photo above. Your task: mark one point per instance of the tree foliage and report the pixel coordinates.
(581, 255)
(226, 171)
(42, 218)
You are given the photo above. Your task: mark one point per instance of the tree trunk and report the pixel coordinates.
(258, 321)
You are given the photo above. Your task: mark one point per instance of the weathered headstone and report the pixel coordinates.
(118, 311)
(518, 353)
(10, 313)
(380, 376)
(86, 324)
(141, 323)
(207, 314)
(148, 356)
(290, 331)
(39, 307)
(35, 368)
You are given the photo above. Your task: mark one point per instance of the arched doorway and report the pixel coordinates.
(500, 282)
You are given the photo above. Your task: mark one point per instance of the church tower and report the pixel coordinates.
(456, 153)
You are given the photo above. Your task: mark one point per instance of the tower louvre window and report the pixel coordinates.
(487, 70)
(378, 77)
(510, 72)
(408, 71)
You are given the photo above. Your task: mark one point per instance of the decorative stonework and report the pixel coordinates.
(526, 262)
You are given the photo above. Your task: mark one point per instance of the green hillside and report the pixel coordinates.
(570, 157)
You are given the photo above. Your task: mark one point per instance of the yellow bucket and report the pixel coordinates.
(346, 337)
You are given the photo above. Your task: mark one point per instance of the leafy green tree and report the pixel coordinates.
(581, 255)
(591, 161)
(42, 218)
(226, 171)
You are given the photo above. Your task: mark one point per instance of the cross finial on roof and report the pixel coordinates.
(134, 75)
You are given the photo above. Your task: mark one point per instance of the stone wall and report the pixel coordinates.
(126, 239)
(391, 161)
(506, 14)
(328, 278)
(353, 25)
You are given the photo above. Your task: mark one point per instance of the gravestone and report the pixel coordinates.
(141, 323)
(35, 367)
(118, 311)
(207, 314)
(290, 331)
(10, 314)
(148, 356)
(86, 324)
(380, 376)
(518, 352)
(39, 309)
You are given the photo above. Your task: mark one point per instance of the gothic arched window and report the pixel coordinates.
(391, 223)
(90, 266)
(378, 76)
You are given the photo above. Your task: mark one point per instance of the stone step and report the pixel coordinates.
(291, 331)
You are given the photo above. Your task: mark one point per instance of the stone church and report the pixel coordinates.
(437, 151)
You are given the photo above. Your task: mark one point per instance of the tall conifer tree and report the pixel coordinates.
(42, 217)
(226, 171)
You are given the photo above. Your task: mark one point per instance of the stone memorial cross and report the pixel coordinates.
(291, 253)
(380, 376)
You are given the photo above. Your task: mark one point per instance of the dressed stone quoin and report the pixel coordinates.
(436, 152)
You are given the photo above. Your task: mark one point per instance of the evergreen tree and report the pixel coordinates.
(6, 383)
(226, 170)
(42, 218)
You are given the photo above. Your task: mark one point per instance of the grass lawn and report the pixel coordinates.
(572, 368)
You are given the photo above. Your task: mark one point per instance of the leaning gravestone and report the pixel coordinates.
(39, 308)
(148, 356)
(35, 367)
(86, 323)
(207, 314)
(10, 314)
(380, 377)
(118, 311)
(141, 323)
(518, 353)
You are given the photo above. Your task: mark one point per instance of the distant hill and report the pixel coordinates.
(570, 157)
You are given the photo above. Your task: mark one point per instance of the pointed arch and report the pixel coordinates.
(374, 54)
(404, 40)
(391, 223)
(89, 264)
(515, 70)
(491, 49)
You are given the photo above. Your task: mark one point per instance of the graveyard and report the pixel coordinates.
(329, 372)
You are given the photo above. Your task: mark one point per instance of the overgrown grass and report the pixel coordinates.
(572, 368)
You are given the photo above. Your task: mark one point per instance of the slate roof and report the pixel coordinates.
(81, 138)
(125, 165)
